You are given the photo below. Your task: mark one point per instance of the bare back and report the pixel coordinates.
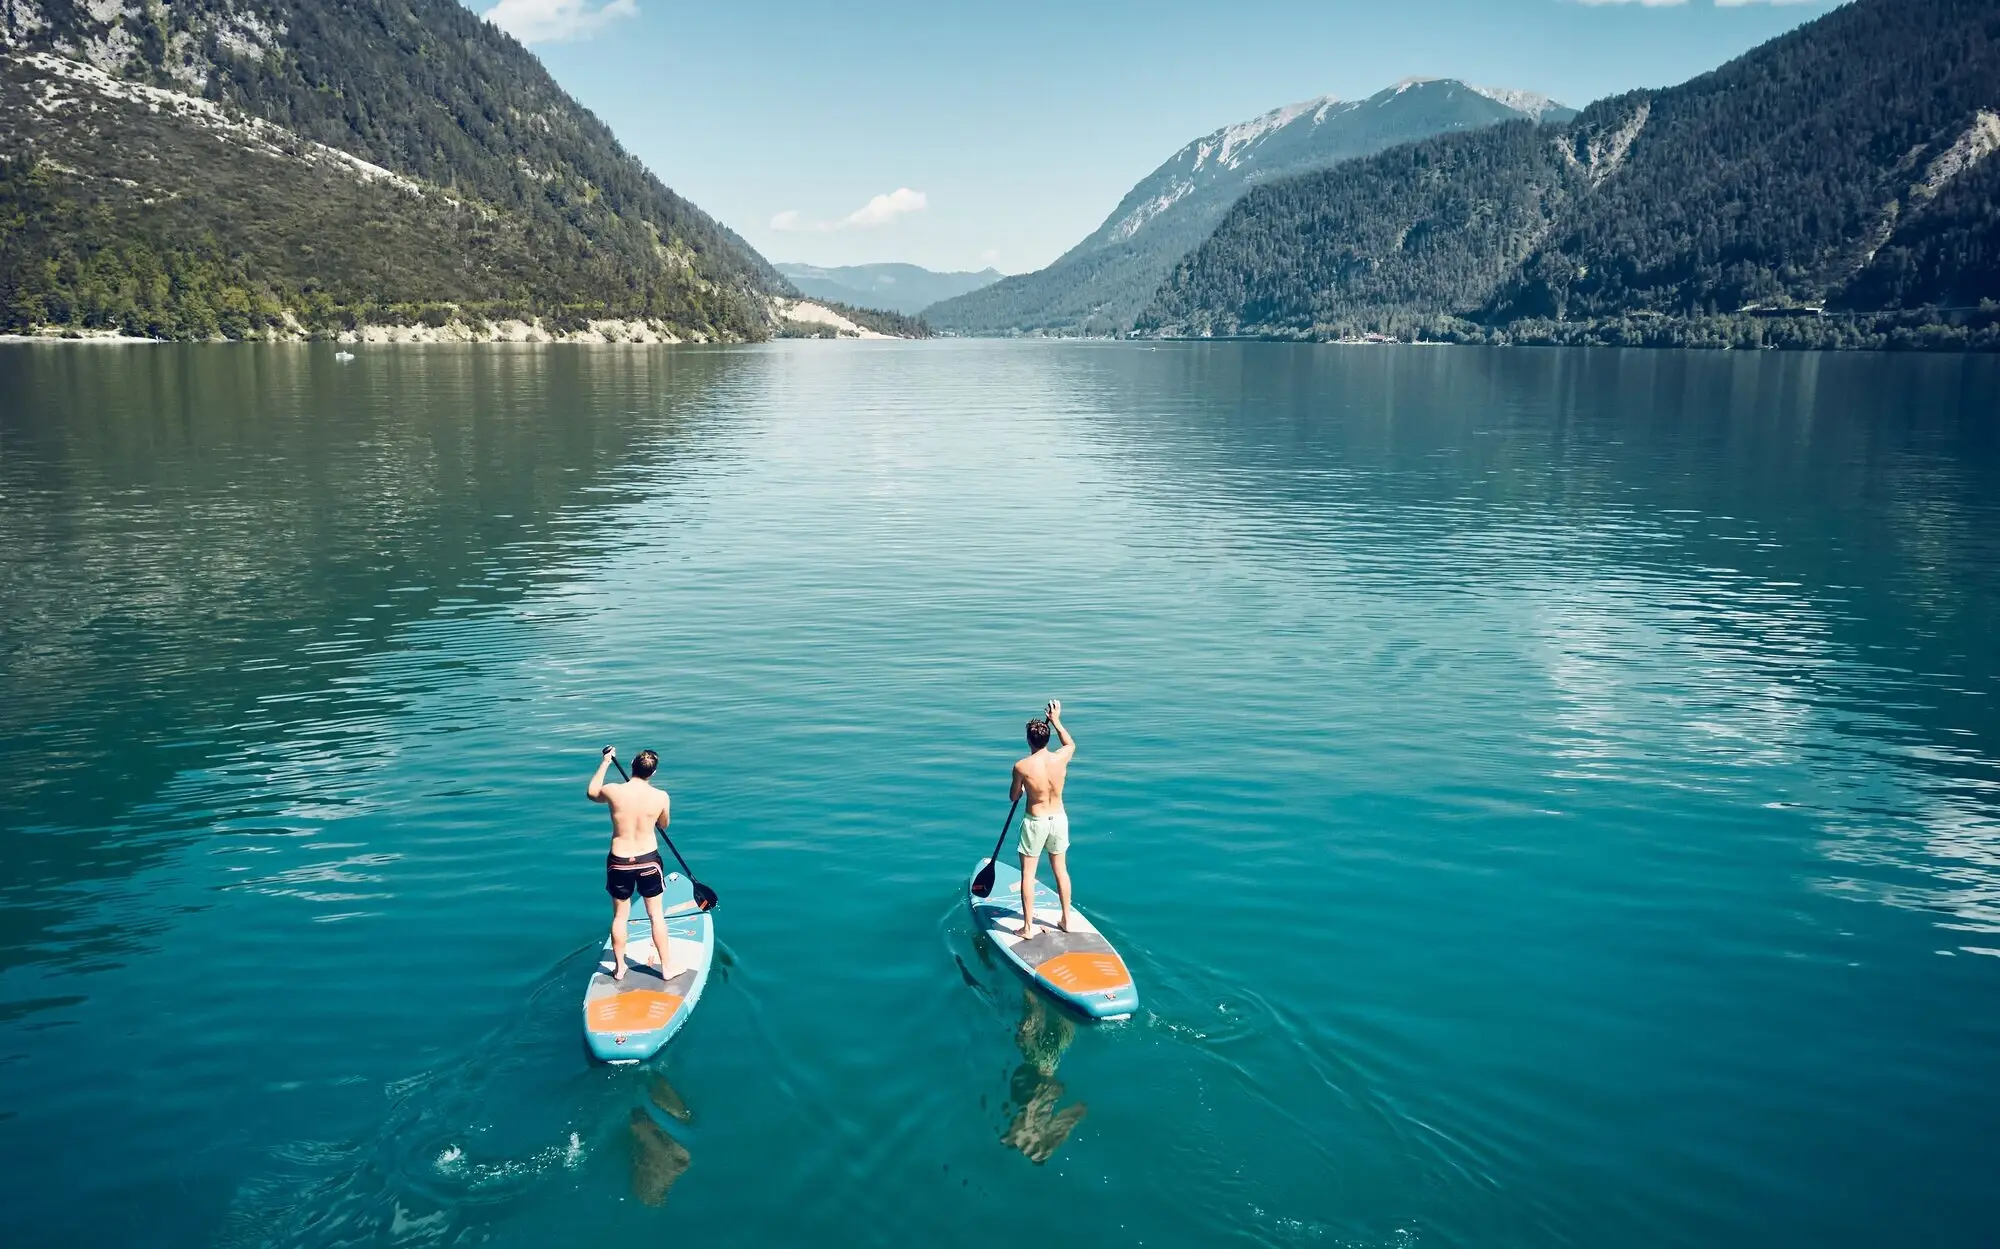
(1041, 776)
(637, 810)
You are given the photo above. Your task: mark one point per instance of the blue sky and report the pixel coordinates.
(956, 136)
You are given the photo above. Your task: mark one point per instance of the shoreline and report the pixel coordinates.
(789, 315)
(82, 339)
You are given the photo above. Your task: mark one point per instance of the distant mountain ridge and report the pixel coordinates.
(1845, 166)
(1103, 282)
(233, 166)
(908, 289)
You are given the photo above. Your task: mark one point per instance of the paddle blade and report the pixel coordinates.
(704, 897)
(982, 884)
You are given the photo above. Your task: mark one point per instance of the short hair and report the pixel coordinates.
(644, 764)
(1038, 734)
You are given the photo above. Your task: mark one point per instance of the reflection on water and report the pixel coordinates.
(1499, 763)
(658, 1160)
(202, 554)
(1782, 565)
(1039, 1123)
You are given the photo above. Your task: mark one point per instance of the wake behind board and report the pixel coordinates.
(1077, 968)
(627, 1021)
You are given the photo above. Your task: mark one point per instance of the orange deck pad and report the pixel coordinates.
(636, 1010)
(1080, 972)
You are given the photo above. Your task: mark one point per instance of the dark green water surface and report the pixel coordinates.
(1547, 798)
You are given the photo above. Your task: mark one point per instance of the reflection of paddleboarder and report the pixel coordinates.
(658, 1160)
(1037, 1128)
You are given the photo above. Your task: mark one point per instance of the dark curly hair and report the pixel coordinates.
(1038, 734)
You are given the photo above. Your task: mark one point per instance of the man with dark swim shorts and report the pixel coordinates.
(638, 812)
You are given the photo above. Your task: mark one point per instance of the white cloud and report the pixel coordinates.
(884, 209)
(880, 211)
(557, 21)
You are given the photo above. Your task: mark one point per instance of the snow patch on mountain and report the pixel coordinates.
(1533, 103)
(1228, 142)
(1134, 221)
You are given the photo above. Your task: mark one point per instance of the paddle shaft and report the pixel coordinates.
(995, 856)
(698, 887)
(982, 884)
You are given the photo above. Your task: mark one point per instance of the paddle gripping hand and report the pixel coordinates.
(610, 750)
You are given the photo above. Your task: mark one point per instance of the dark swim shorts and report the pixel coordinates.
(647, 874)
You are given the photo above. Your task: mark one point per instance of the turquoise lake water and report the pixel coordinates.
(1547, 798)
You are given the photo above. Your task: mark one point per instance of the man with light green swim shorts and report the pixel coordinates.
(1046, 826)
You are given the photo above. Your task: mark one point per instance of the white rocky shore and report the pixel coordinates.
(605, 331)
(608, 330)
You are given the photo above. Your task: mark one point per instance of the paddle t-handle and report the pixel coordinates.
(982, 884)
(705, 898)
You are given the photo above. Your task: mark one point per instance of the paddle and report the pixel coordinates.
(982, 884)
(704, 897)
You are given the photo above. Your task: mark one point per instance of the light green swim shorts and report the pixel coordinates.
(1045, 832)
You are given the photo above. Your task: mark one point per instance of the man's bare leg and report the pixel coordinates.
(1028, 897)
(621, 910)
(659, 931)
(1060, 862)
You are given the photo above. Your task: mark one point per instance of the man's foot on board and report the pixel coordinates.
(1029, 934)
(618, 971)
(1064, 925)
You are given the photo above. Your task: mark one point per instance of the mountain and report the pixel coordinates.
(1099, 285)
(242, 166)
(899, 288)
(1844, 165)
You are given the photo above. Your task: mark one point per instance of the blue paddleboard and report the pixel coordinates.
(1077, 968)
(627, 1021)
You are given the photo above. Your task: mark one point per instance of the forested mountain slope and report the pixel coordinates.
(1102, 283)
(1844, 164)
(212, 165)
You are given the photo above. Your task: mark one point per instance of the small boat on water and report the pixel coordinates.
(343, 356)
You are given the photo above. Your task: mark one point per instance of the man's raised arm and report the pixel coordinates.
(596, 790)
(1055, 722)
